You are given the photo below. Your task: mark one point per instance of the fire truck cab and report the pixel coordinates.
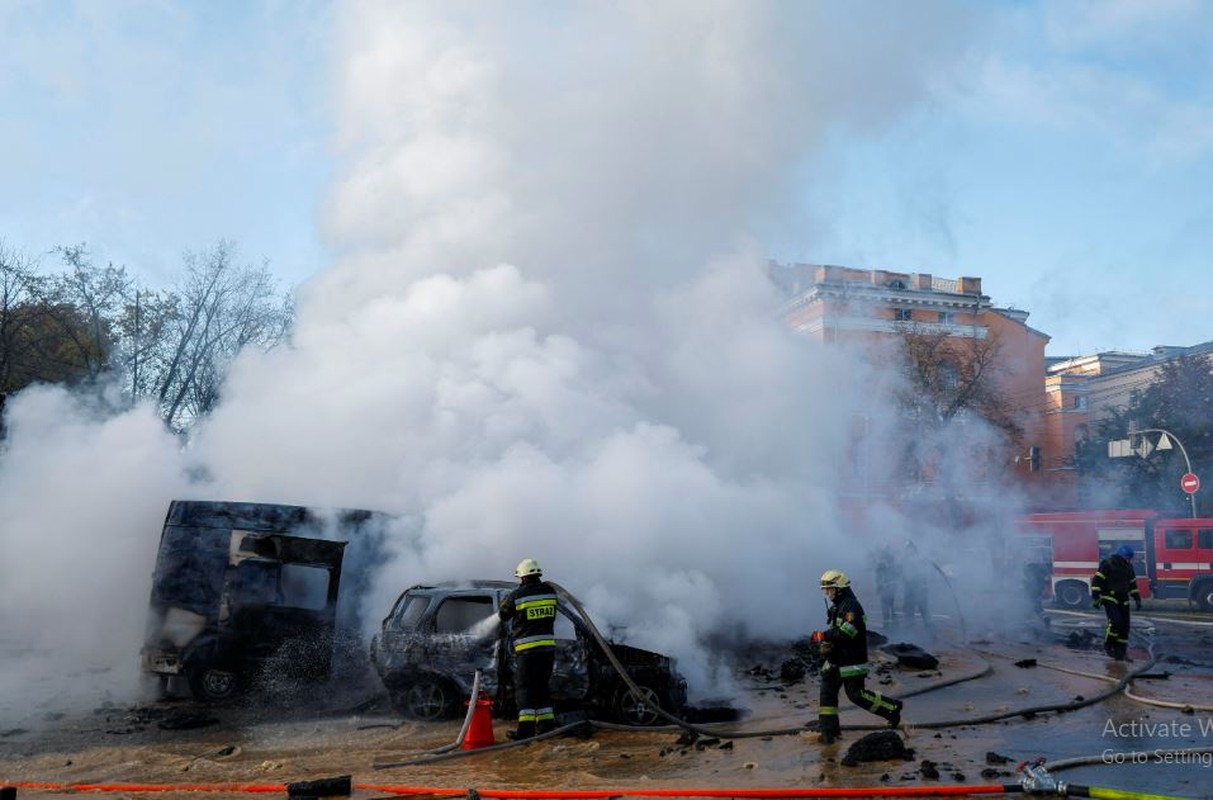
(1172, 557)
(1183, 560)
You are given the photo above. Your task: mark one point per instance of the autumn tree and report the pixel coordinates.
(46, 335)
(1180, 400)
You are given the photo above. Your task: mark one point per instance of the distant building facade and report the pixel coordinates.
(878, 309)
(1083, 390)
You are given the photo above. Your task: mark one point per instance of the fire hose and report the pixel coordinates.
(1035, 779)
(1033, 775)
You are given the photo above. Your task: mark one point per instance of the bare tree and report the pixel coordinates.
(196, 332)
(949, 376)
(95, 296)
(951, 381)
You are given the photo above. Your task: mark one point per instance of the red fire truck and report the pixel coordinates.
(1173, 557)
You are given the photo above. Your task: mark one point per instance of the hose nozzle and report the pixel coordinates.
(1037, 780)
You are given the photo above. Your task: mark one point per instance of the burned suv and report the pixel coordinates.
(436, 637)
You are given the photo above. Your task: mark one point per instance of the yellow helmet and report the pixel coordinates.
(527, 566)
(834, 579)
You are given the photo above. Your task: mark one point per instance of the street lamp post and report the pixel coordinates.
(1183, 452)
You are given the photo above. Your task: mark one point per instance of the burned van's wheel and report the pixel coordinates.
(632, 709)
(1072, 594)
(212, 684)
(426, 700)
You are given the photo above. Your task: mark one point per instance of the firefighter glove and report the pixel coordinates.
(818, 637)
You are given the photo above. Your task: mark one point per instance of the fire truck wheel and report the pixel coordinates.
(1203, 594)
(1072, 594)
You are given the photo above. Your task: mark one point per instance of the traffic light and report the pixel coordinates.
(1034, 459)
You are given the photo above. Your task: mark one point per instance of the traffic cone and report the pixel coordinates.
(480, 731)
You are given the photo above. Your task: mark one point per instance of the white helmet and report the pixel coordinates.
(527, 566)
(834, 579)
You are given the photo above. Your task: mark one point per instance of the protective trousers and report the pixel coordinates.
(1116, 635)
(533, 693)
(832, 680)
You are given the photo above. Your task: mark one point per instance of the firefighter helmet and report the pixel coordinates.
(1125, 551)
(527, 566)
(834, 579)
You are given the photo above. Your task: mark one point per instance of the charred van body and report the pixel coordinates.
(240, 585)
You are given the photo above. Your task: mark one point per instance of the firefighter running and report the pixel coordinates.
(844, 648)
(530, 611)
(1111, 587)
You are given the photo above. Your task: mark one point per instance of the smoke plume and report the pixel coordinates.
(549, 334)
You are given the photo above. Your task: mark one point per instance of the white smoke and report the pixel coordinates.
(550, 334)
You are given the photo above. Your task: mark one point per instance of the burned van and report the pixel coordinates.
(239, 586)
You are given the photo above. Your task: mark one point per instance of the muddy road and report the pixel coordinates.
(293, 737)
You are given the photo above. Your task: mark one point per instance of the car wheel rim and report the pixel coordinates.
(426, 700)
(218, 683)
(633, 708)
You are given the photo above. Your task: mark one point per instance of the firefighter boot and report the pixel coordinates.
(831, 730)
(894, 717)
(525, 731)
(545, 726)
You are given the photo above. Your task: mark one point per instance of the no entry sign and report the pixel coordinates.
(1189, 483)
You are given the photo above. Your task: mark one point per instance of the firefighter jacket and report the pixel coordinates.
(888, 572)
(530, 611)
(1115, 581)
(846, 632)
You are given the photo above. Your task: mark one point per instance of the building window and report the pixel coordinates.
(1080, 401)
(947, 317)
(902, 314)
(948, 378)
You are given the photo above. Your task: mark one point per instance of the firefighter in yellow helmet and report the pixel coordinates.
(530, 612)
(844, 652)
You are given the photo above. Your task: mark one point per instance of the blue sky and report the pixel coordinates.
(1061, 151)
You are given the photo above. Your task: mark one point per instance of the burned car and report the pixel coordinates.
(238, 586)
(436, 637)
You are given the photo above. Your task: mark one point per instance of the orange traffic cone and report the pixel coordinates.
(480, 731)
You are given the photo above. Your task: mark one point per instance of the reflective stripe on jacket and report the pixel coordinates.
(531, 612)
(1115, 579)
(847, 630)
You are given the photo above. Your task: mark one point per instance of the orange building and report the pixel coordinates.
(879, 310)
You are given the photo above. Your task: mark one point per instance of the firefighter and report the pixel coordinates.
(1111, 587)
(530, 611)
(914, 578)
(888, 576)
(844, 650)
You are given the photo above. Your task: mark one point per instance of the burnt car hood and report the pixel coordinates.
(637, 657)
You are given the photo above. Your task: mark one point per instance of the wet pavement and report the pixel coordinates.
(985, 676)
